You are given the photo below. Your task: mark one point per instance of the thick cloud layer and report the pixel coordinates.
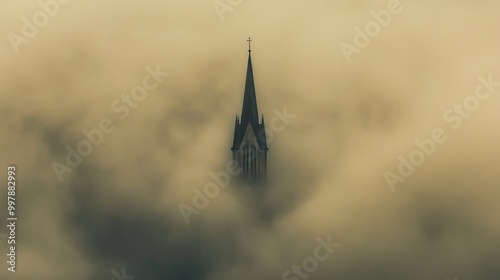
(119, 207)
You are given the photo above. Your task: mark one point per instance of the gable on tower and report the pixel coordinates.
(249, 142)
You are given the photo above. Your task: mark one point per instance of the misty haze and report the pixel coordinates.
(356, 140)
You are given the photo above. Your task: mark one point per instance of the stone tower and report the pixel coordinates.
(249, 144)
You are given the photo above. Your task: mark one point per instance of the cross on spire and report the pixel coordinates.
(249, 46)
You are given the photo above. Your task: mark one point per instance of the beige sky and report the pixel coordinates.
(119, 206)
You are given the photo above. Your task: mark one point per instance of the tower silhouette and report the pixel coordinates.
(249, 143)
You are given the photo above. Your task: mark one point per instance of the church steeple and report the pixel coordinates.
(249, 143)
(249, 113)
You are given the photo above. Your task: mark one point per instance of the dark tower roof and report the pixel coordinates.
(249, 112)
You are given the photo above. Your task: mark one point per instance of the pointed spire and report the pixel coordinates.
(249, 112)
